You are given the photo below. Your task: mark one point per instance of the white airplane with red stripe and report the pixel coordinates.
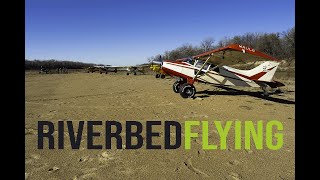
(212, 71)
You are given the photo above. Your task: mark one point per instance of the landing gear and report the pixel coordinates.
(128, 73)
(176, 86)
(100, 72)
(157, 75)
(134, 73)
(187, 90)
(106, 72)
(162, 76)
(265, 91)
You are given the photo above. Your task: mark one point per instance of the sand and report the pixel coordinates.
(101, 97)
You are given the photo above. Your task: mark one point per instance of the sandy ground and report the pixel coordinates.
(83, 96)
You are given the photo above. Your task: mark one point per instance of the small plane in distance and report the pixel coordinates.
(103, 69)
(211, 67)
(108, 68)
(156, 67)
(136, 69)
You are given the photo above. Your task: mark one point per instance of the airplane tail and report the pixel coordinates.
(264, 72)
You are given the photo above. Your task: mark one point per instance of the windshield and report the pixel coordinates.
(189, 60)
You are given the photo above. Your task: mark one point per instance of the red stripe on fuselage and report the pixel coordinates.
(175, 73)
(253, 77)
(193, 68)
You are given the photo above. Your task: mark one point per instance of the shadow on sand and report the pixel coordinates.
(236, 92)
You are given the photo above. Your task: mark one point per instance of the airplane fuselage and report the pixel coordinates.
(209, 74)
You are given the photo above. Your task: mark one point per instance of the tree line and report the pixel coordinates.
(54, 64)
(279, 45)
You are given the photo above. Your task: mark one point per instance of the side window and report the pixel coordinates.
(199, 64)
(206, 66)
(214, 68)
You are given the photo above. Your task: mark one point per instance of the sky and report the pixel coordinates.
(127, 32)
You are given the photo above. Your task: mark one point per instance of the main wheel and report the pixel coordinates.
(157, 75)
(128, 74)
(187, 90)
(176, 86)
(162, 76)
(100, 72)
(134, 73)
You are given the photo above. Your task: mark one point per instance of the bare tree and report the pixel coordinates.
(224, 41)
(289, 42)
(207, 44)
(279, 45)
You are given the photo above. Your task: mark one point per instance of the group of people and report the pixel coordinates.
(62, 70)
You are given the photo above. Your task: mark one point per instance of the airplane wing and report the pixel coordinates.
(234, 54)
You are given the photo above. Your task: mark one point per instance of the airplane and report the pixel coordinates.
(103, 69)
(108, 68)
(159, 72)
(136, 69)
(211, 67)
(157, 68)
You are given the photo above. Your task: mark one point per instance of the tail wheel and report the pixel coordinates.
(187, 90)
(176, 86)
(162, 76)
(127, 74)
(157, 75)
(106, 72)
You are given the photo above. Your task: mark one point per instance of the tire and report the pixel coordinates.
(127, 74)
(106, 72)
(157, 75)
(187, 90)
(176, 86)
(162, 76)
(100, 72)
(134, 73)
